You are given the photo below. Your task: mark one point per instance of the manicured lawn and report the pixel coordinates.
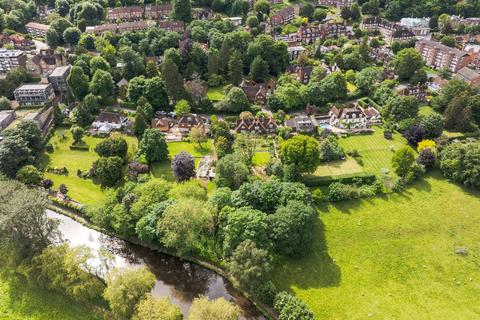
(19, 301)
(81, 190)
(162, 170)
(375, 151)
(335, 168)
(215, 94)
(194, 149)
(393, 257)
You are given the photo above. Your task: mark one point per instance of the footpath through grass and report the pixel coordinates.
(393, 257)
(19, 301)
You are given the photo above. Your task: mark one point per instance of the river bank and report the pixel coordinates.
(180, 278)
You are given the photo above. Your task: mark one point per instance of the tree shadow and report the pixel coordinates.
(316, 270)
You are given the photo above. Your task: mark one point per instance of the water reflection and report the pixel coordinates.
(181, 281)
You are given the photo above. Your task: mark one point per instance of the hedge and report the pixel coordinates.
(80, 147)
(315, 181)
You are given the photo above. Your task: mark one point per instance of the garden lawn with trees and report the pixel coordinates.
(392, 256)
(340, 167)
(375, 151)
(82, 190)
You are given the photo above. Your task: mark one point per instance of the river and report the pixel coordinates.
(179, 280)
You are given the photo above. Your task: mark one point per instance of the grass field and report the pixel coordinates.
(340, 167)
(375, 151)
(81, 190)
(194, 149)
(261, 158)
(426, 110)
(393, 257)
(19, 301)
(215, 94)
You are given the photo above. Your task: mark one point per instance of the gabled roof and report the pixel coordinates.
(109, 117)
(468, 74)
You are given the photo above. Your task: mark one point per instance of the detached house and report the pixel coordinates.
(256, 125)
(164, 124)
(106, 122)
(255, 92)
(300, 124)
(186, 122)
(350, 118)
(469, 76)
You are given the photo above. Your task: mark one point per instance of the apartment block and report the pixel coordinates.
(34, 95)
(133, 13)
(336, 3)
(10, 59)
(58, 78)
(159, 11)
(437, 55)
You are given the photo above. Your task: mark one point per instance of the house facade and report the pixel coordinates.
(133, 13)
(43, 119)
(6, 117)
(283, 16)
(348, 118)
(256, 125)
(157, 11)
(17, 41)
(336, 3)
(34, 95)
(36, 29)
(390, 31)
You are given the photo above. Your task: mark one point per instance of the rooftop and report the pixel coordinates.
(34, 86)
(60, 71)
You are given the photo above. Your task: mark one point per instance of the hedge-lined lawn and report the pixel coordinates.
(261, 158)
(336, 168)
(426, 110)
(82, 190)
(19, 301)
(194, 149)
(393, 257)
(215, 94)
(375, 151)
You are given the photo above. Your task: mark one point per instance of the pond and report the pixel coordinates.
(177, 279)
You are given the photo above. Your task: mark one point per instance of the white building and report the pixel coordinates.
(419, 26)
(107, 122)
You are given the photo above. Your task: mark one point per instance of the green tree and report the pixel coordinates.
(401, 107)
(235, 101)
(153, 146)
(402, 161)
(25, 229)
(182, 107)
(173, 80)
(29, 175)
(458, 116)
(249, 265)
(156, 94)
(102, 84)
(407, 62)
(230, 172)
(302, 152)
(182, 10)
(125, 289)
(99, 63)
(133, 62)
(198, 135)
(5, 104)
(77, 134)
(259, 69)
(235, 68)
(151, 308)
(185, 226)
(52, 38)
(108, 170)
(459, 162)
(113, 146)
(140, 124)
(219, 309)
(290, 307)
(72, 35)
(242, 224)
(319, 14)
(77, 82)
(292, 228)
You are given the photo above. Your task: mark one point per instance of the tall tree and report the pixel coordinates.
(259, 69)
(407, 62)
(77, 82)
(182, 10)
(102, 84)
(235, 68)
(173, 81)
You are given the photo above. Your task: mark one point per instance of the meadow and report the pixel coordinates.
(20, 301)
(393, 257)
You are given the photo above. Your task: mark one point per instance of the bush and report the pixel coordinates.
(318, 196)
(338, 192)
(266, 293)
(290, 307)
(49, 147)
